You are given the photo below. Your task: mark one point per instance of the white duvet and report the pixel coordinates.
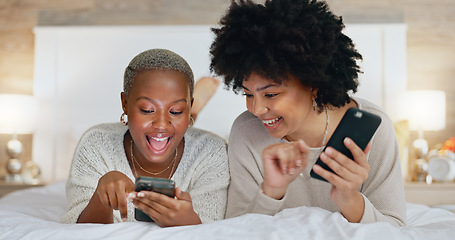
(34, 214)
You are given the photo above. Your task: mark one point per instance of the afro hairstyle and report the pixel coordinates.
(281, 37)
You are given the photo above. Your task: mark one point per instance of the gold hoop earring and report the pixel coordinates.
(315, 105)
(124, 119)
(191, 122)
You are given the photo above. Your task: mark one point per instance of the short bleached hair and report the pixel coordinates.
(157, 59)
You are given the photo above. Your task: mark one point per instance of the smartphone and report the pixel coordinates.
(356, 124)
(160, 185)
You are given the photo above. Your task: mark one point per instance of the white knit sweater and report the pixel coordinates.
(203, 170)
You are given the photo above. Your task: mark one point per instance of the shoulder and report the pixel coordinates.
(196, 136)
(203, 150)
(386, 131)
(101, 146)
(248, 129)
(104, 132)
(106, 128)
(246, 119)
(247, 124)
(375, 109)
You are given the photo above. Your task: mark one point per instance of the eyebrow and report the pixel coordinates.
(151, 100)
(262, 88)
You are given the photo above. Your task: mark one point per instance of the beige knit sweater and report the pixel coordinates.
(383, 190)
(203, 170)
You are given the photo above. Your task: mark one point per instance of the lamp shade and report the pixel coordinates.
(17, 113)
(425, 109)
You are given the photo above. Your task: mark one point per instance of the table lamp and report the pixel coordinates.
(18, 115)
(426, 111)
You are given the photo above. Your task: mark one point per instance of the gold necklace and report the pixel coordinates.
(325, 133)
(326, 128)
(173, 165)
(152, 173)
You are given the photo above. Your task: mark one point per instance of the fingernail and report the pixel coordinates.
(124, 219)
(347, 141)
(298, 163)
(322, 156)
(328, 151)
(316, 168)
(130, 197)
(141, 194)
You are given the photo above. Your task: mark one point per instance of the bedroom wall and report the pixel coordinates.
(430, 37)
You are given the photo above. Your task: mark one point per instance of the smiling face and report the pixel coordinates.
(158, 108)
(285, 109)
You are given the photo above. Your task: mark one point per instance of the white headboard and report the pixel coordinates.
(79, 77)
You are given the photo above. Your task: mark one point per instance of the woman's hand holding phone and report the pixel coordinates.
(164, 210)
(347, 177)
(343, 162)
(283, 162)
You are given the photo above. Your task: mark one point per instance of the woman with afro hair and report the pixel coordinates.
(297, 71)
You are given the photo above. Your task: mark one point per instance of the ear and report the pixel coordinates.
(124, 103)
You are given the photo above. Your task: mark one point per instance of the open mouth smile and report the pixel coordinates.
(158, 143)
(272, 122)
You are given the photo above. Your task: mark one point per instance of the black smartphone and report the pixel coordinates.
(160, 185)
(356, 124)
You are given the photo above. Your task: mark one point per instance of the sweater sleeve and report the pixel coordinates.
(86, 170)
(210, 182)
(96, 154)
(383, 191)
(245, 193)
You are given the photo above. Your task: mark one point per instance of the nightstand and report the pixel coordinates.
(430, 194)
(7, 187)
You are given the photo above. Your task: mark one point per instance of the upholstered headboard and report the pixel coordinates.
(79, 74)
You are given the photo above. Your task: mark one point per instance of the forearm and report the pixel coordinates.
(246, 194)
(251, 201)
(96, 212)
(275, 193)
(361, 210)
(354, 208)
(392, 216)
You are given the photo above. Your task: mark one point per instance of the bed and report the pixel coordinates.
(78, 80)
(34, 214)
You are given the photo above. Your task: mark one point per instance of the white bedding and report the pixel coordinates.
(34, 214)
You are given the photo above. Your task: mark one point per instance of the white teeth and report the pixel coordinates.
(160, 139)
(271, 122)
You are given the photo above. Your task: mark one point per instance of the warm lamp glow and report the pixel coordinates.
(17, 113)
(17, 116)
(425, 110)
